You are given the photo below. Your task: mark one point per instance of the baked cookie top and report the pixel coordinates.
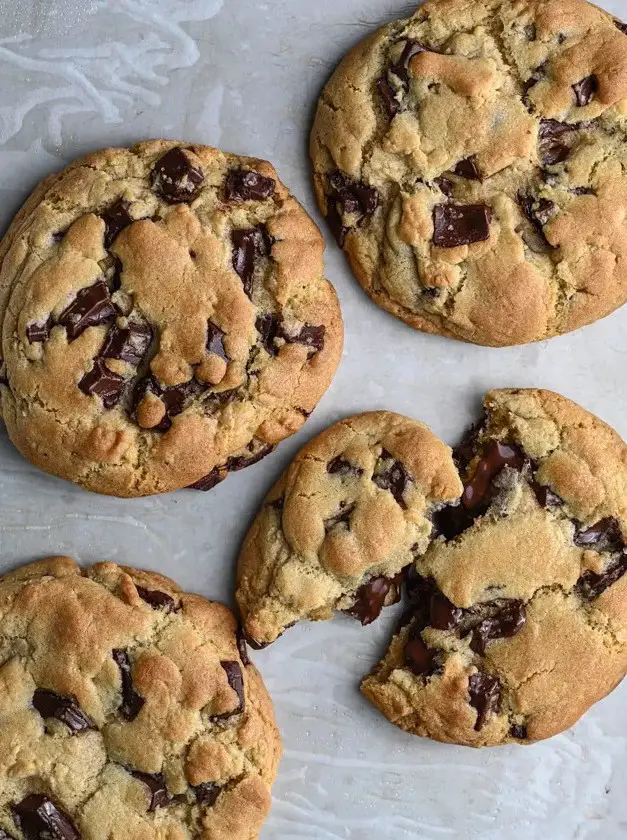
(472, 162)
(164, 318)
(347, 516)
(518, 614)
(129, 710)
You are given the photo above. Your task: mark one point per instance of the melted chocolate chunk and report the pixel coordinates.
(586, 90)
(443, 615)
(128, 344)
(233, 464)
(175, 179)
(157, 787)
(132, 702)
(348, 197)
(248, 246)
(340, 466)
(372, 596)
(241, 646)
(444, 185)
(545, 496)
(91, 306)
(39, 331)
(269, 327)
(418, 657)
(65, 709)
(590, 585)
(116, 218)
(245, 185)
(309, 335)
(40, 819)
(215, 341)
(207, 793)
(341, 518)
(518, 731)
(401, 67)
(495, 457)
(468, 169)
(622, 26)
(174, 397)
(235, 678)
(604, 535)
(553, 141)
(450, 522)
(461, 224)
(157, 600)
(507, 622)
(538, 211)
(391, 475)
(388, 97)
(465, 451)
(104, 383)
(485, 695)
(209, 481)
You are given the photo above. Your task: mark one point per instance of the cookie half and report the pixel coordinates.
(518, 614)
(351, 512)
(129, 709)
(471, 162)
(165, 319)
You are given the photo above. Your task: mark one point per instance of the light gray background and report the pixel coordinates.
(76, 75)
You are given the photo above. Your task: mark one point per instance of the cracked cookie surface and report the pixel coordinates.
(472, 163)
(165, 319)
(517, 621)
(129, 711)
(348, 515)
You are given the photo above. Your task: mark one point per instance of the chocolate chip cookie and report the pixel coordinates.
(517, 621)
(165, 320)
(472, 163)
(129, 710)
(349, 514)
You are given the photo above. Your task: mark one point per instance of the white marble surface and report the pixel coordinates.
(79, 74)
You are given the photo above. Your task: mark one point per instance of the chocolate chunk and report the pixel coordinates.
(241, 646)
(538, 211)
(507, 622)
(157, 600)
(531, 32)
(338, 228)
(495, 457)
(485, 695)
(460, 224)
(586, 90)
(418, 588)
(258, 450)
(207, 793)
(590, 585)
(418, 657)
(391, 475)
(431, 293)
(552, 146)
(3, 377)
(39, 331)
(622, 26)
(468, 169)
(65, 709)
(538, 74)
(388, 97)
(115, 280)
(215, 341)
(605, 535)
(174, 397)
(372, 596)
(443, 615)
(309, 335)
(401, 67)
(518, 731)
(268, 327)
(545, 496)
(245, 185)
(209, 481)
(91, 306)
(157, 787)
(116, 218)
(132, 702)
(340, 466)
(104, 383)
(235, 678)
(40, 819)
(128, 344)
(175, 179)
(444, 185)
(348, 197)
(465, 451)
(341, 518)
(583, 191)
(451, 521)
(248, 246)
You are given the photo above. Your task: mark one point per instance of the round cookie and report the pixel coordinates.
(472, 163)
(518, 615)
(165, 319)
(129, 710)
(347, 516)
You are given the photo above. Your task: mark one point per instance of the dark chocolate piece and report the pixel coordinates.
(116, 218)
(235, 678)
(40, 819)
(175, 179)
(418, 657)
(207, 793)
(443, 615)
(65, 709)
(246, 185)
(340, 466)
(174, 397)
(372, 596)
(545, 496)
(586, 90)
(309, 335)
(388, 97)
(485, 695)
(104, 383)
(401, 67)
(157, 600)
(391, 475)
(538, 74)
(157, 787)
(39, 331)
(91, 306)
(507, 622)
(348, 197)
(622, 26)
(241, 646)
(128, 344)
(132, 702)
(342, 517)
(553, 141)
(215, 341)
(461, 224)
(590, 585)
(444, 185)
(209, 481)
(468, 169)
(604, 535)
(249, 245)
(518, 731)
(496, 455)
(268, 327)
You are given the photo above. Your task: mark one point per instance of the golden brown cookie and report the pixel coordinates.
(129, 711)
(164, 317)
(347, 516)
(518, 611)
(471, 161)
